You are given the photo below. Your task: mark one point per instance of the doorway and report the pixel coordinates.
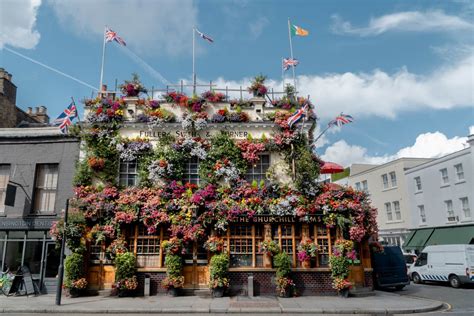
(51, 266)
(195, 269)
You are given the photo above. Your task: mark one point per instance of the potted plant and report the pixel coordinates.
(284, 283)
(342, 286)
(214, 244)
(269, 248)
(257, 88)
(219, 267)
(339, 262)
(125, 279)
(74, 274)
(307, 249)
(133, 87)
(174, 281)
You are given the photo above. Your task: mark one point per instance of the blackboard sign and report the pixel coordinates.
(16, 285)
(28, 281)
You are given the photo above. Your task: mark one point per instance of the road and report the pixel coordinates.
(461, 300)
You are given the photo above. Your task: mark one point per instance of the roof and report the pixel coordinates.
(30, 132)
(442, 159)
(399, 160)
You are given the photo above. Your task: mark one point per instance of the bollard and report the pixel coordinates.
(250, 285)
(146, 288)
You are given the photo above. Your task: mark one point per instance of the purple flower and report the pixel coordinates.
(217, 118)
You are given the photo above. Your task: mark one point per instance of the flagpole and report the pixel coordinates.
(319, 136)
(103, 60)
(77, 110)
(283, 73)
(194, 69)
(291, 53)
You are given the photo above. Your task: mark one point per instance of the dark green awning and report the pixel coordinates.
(451, 235)
(419, 239)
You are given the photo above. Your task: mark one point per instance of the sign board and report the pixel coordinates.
(269, 219)
(10, 195)
(28, 281)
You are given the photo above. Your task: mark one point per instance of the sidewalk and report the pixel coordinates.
(381, 303)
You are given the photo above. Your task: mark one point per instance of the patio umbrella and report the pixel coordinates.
(331, 167)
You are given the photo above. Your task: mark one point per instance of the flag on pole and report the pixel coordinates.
(289, 62)
(64, 120)
(204, 36)
(112, 36)
(340, 120)
(298, 115)
(298, 31)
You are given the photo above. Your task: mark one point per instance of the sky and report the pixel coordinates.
(403, 69)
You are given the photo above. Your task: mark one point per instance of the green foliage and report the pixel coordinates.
(341, 175)
(125, 265)
(339, 266)
(219, 266)
(174, 265)
(223, 147)
(282, 263)
(83, 174)
(74, 268)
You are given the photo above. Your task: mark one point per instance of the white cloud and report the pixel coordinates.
(412, 21)
(256, 27)
(427, 145)
(18, 22)
(382, 94)
(149, 27)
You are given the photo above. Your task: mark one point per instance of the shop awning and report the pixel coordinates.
(418, 239)
(451, 235)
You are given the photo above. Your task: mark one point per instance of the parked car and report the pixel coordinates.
(390, 269)
(445, 263)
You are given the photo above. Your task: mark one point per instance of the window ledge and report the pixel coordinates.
(43, 214)
(419, 192)
(467, 220)
(451, 223)
(460, 181)
(422, 225)
(395, 222)
(389, 189)
(445, 185)
(151, 269)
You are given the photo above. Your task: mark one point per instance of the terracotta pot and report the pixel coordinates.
(306, 264)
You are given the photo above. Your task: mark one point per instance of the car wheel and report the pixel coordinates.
(416, 278)
(454, 281)
(399, 287)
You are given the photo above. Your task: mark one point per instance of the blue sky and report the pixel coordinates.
(403, 69)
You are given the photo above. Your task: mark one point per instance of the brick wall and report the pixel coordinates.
(369, 280)
(155, 282)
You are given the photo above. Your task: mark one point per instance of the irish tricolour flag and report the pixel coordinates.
(298, 31)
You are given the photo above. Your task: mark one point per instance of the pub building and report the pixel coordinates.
(180, 120)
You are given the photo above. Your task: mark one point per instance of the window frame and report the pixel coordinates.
(37, 190)
(450, 211)
(365, 186)
(385, 181)
(397, 211)
(459, 172)
(388, 211)
(464, 208)
(418, 185)
(3, 189)
(187, 175)
(421, 211)
(127, 173)
(444, 176)
(357, 186)
(393, 179)
(250, 174)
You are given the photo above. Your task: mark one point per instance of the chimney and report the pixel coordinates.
(40, 114)
(29, 111)
(470, 140)
(7, 88)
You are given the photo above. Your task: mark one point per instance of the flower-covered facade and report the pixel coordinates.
(209, 175)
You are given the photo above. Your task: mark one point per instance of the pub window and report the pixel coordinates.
(128, 173)
(258, 170)
(146, 247)
(4, 177)
(46, 185)
(241, 246)
(284, 235)
(191, 171)
(323, 240)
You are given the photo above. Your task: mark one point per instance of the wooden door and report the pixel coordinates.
(196, 270)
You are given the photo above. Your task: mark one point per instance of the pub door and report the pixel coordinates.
(196, 270)
(50, 268)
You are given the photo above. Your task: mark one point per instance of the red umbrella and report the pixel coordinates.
(331, 167)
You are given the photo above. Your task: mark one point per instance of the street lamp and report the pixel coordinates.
(61, 259)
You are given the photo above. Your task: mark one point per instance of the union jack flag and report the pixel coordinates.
(295, 117)
(289, 62)
(204, 36)
(112, 36)
(341, 119)
(64, 120)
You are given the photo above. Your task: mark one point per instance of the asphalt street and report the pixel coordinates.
(461, 301)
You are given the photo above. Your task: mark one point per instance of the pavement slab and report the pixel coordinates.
(382, 303)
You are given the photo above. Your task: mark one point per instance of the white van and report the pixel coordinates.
(445, 263)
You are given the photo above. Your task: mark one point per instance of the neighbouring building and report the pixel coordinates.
(390, 192)
(10, 114)
(179, 170)
(39, 162)
(441, 197)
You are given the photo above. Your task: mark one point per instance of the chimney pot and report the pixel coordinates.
(36, 110)
(42, 109)
(29, 111)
